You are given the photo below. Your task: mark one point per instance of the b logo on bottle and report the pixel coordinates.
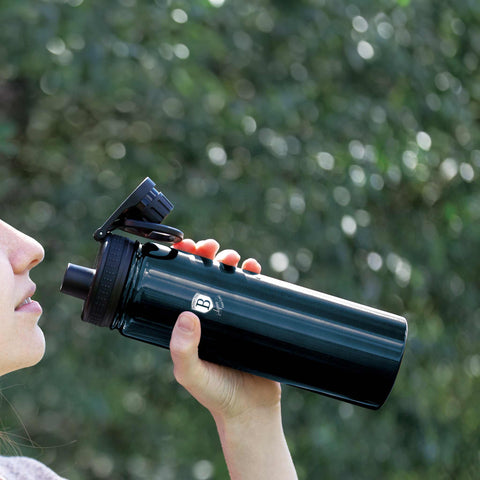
(202, 303)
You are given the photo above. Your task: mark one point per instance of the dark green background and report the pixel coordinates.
(342, 134)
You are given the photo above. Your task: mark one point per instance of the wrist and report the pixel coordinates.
(254, 444)
(252, 419)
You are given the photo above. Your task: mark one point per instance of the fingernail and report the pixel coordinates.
(229, 257)
(252, 265)
(185, 322)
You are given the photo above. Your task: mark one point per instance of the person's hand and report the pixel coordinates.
(225, 392)
(246, 408)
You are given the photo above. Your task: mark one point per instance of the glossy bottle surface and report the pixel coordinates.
(264, 326)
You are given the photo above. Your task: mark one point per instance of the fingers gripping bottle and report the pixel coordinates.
(249, 321)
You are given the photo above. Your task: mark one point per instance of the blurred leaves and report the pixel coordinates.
(336, 142)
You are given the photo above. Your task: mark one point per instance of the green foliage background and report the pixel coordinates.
(341, 134)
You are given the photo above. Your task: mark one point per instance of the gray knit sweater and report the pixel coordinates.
(23, 468)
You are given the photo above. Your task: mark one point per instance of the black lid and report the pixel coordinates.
(113, 264)
(141, 213)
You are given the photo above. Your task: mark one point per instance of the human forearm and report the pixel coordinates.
(254, 446)
(246, 408)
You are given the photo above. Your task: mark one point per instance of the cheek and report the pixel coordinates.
(7, 282)
(22, 343)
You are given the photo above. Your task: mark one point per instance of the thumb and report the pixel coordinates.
(184, 348)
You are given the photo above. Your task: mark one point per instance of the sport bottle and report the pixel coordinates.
(249, 321)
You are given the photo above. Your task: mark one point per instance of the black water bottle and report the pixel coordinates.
(250, 322)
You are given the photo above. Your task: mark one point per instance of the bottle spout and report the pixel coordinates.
(77, 281)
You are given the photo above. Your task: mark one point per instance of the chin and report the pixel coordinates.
(31, 353)
(37, 350)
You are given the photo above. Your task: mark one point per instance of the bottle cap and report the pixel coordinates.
(142, 213)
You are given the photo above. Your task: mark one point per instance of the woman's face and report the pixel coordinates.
(22, 343)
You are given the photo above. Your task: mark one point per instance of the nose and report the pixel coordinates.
(29, 254)
(23, 251)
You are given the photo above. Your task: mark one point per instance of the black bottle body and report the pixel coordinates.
(255, 323)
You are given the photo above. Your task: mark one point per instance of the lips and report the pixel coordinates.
(27, 299)
(25, 302)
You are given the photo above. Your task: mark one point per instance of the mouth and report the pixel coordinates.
(27, 303)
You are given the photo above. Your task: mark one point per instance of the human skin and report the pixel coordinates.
(22, 343)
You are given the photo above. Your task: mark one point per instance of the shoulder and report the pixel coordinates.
(24, 468)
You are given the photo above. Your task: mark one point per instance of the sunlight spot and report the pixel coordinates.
(325, 160)
(374, 261)
(279, 261)
(349, 225)
(424, 141)
(360, 24)
(180, 16)
(449, 168)
(365, 50)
